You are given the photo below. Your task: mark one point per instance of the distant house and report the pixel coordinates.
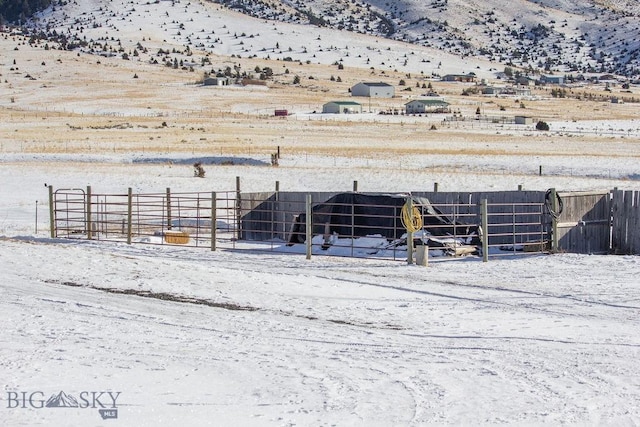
(554, 80)
(342, 107)
(607, 77)
(499, 90)
(373, 90)
(466, 78)
(493, 90)
(525, 81)
(524, 120)
(419, 106)
(217, 81)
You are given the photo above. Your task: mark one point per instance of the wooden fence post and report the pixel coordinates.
(275, 213)
(168, 208)
(129, 214)
(52, 217)
(309, 226)
(554, 220)
(88, 208)
(484, 214)
(238, 209)
(214, 220)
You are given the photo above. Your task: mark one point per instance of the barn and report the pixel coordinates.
(373, 90)
(419, 106)
(342, 107)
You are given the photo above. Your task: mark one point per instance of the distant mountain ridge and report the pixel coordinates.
(573, 36)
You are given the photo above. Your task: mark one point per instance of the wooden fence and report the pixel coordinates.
(583, 221)
(625, 234)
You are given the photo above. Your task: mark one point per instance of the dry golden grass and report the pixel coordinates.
(88, 104)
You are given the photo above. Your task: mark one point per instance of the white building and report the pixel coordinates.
(373, 90)
(342, 107)
(419, 106)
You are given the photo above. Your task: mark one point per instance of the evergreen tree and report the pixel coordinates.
(19, 11)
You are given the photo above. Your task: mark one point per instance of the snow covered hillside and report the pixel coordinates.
(570, 36)
(576, 37)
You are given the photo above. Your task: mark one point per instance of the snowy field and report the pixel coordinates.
(108, 334)
(263, 339)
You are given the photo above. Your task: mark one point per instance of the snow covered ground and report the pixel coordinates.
(239, 338)
(285, 341)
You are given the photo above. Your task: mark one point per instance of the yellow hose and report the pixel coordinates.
(411, 222)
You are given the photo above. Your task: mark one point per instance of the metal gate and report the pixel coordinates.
(69, 212)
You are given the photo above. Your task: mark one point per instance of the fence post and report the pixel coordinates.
(355, 186)
(309, 227)
(435, 187)
(275, 212)
(88, 212)
(52, 219)
(214, 220)
(129, 214)
(168, 208)
(554, 221)
(409, 232)
(238, 209)
(484, 214)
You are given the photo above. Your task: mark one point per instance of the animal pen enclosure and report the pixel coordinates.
(355, 224)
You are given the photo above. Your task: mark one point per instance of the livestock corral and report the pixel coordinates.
(357, 224)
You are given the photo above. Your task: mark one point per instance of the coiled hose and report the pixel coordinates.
(411, 220)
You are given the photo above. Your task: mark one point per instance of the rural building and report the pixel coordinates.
(217, 81)
(419, 106)
(525, 81)
(522, 91)
(373, 90)
(502, 90)
(342, 107)
(493, 90)
(466, 78)
(554, 80)
(524, 120)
